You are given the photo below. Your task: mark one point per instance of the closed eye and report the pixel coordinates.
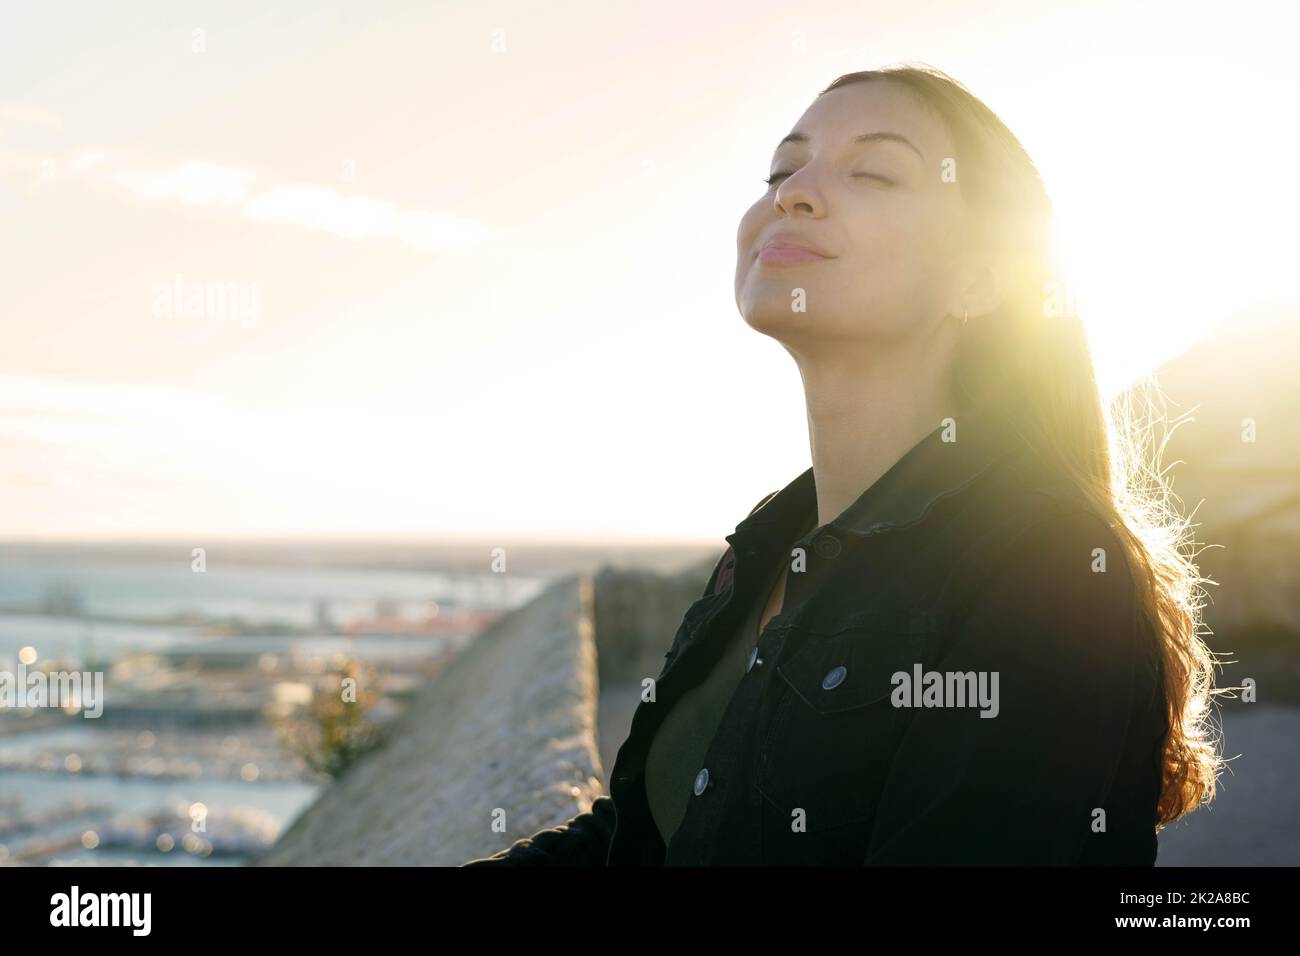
(884, 179)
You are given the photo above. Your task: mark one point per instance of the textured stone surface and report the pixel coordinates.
(510, 724)
(637, 613)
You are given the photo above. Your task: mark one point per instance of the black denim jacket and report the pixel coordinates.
(968, 557)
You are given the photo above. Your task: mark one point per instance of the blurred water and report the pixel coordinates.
(154, 589)
(71, 639)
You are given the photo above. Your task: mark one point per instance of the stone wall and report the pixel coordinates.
(636, 615)
(509, 724)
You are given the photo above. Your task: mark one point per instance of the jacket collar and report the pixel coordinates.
(940, 464)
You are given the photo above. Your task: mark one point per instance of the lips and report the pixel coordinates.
(788, 248)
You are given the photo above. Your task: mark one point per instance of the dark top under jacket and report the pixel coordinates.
(676, 757)
(968, 557)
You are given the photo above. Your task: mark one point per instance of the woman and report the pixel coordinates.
(968, 633)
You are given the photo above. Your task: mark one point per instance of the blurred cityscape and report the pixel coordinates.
(216, 727)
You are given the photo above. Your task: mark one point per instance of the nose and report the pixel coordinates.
(797, 193)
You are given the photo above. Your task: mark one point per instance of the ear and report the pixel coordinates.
(982, 286)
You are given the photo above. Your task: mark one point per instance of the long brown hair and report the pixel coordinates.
(1029, 363)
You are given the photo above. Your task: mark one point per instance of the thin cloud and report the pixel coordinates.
(192, 183)
(361, 217)
(197, 182)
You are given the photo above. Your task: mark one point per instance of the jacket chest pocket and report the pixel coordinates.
(832, 732)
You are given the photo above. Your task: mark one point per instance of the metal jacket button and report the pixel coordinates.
(835, 678)
(828, 546)
(701, 781)
(753, 659)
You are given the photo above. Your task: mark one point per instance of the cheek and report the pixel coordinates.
(895, 258)
(751, 223)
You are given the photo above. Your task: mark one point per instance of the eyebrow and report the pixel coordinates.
(882, 137)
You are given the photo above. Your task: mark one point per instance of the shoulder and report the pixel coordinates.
(1032, 545)
(1074, 550)
(1050, 533)
(1029, 519)
(1063, 599)
(764, 500)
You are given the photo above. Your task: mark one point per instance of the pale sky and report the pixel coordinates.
(481, 255)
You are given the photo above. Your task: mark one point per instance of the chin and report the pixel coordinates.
(776, 318)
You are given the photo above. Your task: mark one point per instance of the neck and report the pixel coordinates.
(864, 416)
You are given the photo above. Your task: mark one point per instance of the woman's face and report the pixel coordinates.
(882, 213)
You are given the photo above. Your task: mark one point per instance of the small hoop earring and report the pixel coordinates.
(965, 315)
